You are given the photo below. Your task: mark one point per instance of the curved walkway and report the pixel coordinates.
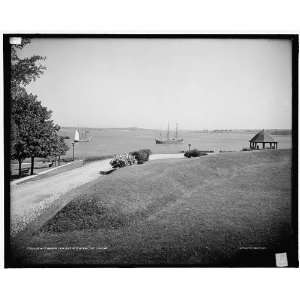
(30, 199)
(166, 156)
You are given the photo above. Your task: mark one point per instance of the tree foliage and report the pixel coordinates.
(33, 133)
(60, 147)
(33, 127)
(24, 70)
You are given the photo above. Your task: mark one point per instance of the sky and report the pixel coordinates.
(198, 83)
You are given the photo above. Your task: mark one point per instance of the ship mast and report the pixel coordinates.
(168, 134)
(176, 131)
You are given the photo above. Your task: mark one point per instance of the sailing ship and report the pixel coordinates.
(168, 140)
(77, 137)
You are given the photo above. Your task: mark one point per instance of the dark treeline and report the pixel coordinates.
(33, 133)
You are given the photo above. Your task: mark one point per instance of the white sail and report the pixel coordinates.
(76, 137)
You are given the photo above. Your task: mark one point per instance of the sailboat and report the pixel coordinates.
(168, 140)
(77, 138)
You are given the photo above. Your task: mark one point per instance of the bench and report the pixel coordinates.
(25, 171)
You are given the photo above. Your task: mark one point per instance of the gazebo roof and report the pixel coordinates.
(262, 137)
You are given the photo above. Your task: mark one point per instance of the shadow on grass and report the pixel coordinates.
(96, 158)
(90, 215)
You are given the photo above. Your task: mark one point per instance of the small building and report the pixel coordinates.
(261, 140)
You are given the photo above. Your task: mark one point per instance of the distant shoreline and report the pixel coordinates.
(273, 131)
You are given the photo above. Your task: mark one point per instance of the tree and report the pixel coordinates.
(30, 119)
(23, 120)
(42, 139)
(33, 133)
(23, 106)
(24, 70)
(60, 149)
(36, 134)
(52, 144)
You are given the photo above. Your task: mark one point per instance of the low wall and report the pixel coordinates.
(63, 168)
(52, 171)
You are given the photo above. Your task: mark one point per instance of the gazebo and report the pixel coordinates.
(263, 138)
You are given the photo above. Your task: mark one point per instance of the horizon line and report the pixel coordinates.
(203, 129)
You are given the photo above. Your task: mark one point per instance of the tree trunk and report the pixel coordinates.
(32, 165)
(20, 167)
(58, 160)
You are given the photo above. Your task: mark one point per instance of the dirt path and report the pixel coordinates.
(30, 199)
(166, 156)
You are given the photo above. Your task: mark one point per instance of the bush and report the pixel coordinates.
(123, 160)
(194, 153)
(67, 159)
(246, 149)
(141, 155)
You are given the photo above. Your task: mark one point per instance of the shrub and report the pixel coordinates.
(123, 160)
(67, 159)
(194, 153)
(141, 155)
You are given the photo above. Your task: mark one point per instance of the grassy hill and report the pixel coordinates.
(192, 211)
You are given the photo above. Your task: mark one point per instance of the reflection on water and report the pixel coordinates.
(111, 141)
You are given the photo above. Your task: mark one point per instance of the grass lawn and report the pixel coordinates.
(214, 210)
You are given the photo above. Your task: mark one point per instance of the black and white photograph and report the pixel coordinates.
(151, 150)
